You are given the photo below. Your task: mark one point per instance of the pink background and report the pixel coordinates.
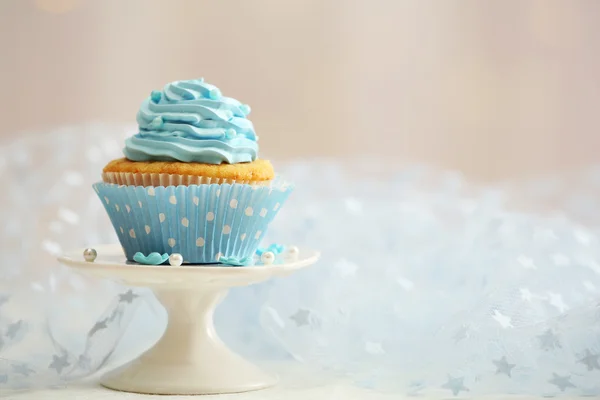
(502, 89)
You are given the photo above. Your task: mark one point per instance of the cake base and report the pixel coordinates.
(190, 358)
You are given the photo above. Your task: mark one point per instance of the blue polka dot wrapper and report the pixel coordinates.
(200, 222)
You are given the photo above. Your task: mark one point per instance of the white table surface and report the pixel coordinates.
(333, 391)
(297, 384)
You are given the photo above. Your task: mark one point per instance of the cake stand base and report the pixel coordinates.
(190, 358)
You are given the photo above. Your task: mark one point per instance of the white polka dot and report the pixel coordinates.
(276, 206)
(249, 211)
(140, 204)
(263, 212)
(117, 207)
(233, 203)
(128, 208)
(132, 233)
(200, 242)
(171, 242)
(258, 233)
(218, 256)
(173, 200)
(151, 191)
(226, 230)
(161, 217)
(218, 192)
(210, 216)
(185, 222)
(106, 200)
(196, 200)
(242, 237)
(122, 230)
(147, 229)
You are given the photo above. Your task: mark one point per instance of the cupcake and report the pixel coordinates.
(191, 181)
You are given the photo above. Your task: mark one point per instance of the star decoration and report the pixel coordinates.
(84, 362)
(526, 294)
(346, 268)
(502, 319)
(117, 313)
(456, 385)
(59, 363)
(503, 367)
(549, 340)
(556, 300)
(301, 317)
(22, 369)
(562, 382)
(374, 348)
(353, 206)
(526, 262)
(128, 297)
(13, 329)
(591, 360)
(461, 333)
(97, 327)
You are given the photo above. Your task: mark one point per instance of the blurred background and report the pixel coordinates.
(498, 90)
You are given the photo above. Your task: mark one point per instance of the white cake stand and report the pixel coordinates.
(189, 358)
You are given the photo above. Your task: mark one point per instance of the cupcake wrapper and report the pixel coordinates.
(139, 179)
(201, 222)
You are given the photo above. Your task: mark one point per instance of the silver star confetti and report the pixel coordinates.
(13, 329)
(461, 334)
(503, 367)
(562, 382)
(374, 348)
(84, 362)
(22, 369)
(59, 363)
(590, 360)
(97, 327)
(116, 314)
(502, 319)
(128, 297)
(301, 317)
(549, 340)
(456, 385)
(556, 300)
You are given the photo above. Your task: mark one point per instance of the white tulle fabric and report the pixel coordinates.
(428, 285)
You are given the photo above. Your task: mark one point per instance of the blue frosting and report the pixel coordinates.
(191, 121)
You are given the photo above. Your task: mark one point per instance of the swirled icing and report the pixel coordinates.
(191, 121)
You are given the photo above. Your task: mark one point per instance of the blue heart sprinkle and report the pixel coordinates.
(151, 259)
(236, 262)
(274, 248)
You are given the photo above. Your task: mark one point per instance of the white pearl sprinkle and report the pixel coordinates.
(90, 255)
(175, 259)
(293, 252)
(267, 257)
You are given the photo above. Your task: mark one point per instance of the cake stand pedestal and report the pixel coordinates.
(190, 358)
